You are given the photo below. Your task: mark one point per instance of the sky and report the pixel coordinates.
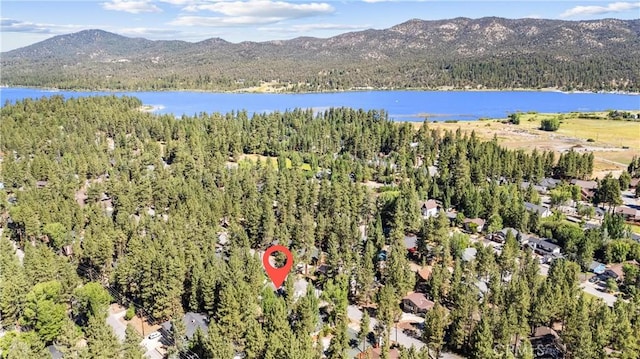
(24, 22)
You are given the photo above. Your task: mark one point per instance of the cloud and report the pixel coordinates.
(314, 27)
(131, 6)
(13, 25)
(250, 12)
(177, 2)
(146, 31)
(377, 1)
(219, 21)
(598, 10)
(267, 8)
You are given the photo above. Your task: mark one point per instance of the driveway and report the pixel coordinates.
(150, 346)
(113, 319)
(591, 288)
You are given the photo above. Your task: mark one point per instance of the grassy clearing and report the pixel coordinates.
(248, 160)
(613, 143)
(601, 131)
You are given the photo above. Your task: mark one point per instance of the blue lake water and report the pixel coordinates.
(401, 105)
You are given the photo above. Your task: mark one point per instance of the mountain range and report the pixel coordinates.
(456, 53)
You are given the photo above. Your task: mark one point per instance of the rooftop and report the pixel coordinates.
(419, 300)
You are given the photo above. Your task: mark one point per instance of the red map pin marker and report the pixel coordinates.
(277, 275)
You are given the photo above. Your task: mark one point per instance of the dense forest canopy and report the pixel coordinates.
(141, 201)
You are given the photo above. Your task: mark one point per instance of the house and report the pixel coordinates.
(411, 242)
(628, 213)
(474, 225)
(416, 303)
(424, 273)
(590, 185)
(452, 215)
(543, 247)
(587, 188)
(538, 188)
(469, 254)
(422, 278)
(616, 271)
(376, 353)
(549, 182)
(548, 343)
(501, 236)
(67, 250)
(429, 208)
(192, 322)
(542, 211)
(596, 267)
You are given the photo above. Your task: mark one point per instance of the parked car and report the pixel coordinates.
(154, 335)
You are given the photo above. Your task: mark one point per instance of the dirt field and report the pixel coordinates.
(613, 143)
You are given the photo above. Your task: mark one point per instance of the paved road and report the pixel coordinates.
(591, 288)
(118, 327)
(355, 314)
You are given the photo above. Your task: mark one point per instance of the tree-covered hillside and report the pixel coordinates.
(460, 53)
(109, 203)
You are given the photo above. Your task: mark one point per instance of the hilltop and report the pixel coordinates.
(459, 53)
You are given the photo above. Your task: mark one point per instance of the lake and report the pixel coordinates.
(401, 105)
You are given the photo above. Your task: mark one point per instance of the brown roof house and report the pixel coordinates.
(587, 188)
(629, 214)
(616, 271)
(416, 303)
(422, 277)
(474, 225)
(376, 353)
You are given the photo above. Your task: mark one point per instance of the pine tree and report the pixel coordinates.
(131, 348)
(364, 329)
(101, 341)
(482, 341)
(435, 323)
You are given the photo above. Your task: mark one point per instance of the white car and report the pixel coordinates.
(154, 335)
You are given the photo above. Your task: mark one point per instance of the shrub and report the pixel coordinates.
(550, 124)
(514, 118)
(131, 312)
(590, 140)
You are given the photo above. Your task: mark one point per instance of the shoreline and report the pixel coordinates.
(353, 90)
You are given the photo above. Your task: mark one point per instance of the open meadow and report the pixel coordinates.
(613, 142)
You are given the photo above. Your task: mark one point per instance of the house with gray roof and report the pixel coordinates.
(542, 211)
(192, 322)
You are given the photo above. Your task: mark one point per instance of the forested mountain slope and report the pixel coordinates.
(461, 52)
(102, 197)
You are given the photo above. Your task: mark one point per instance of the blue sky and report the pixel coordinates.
(23, 22)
